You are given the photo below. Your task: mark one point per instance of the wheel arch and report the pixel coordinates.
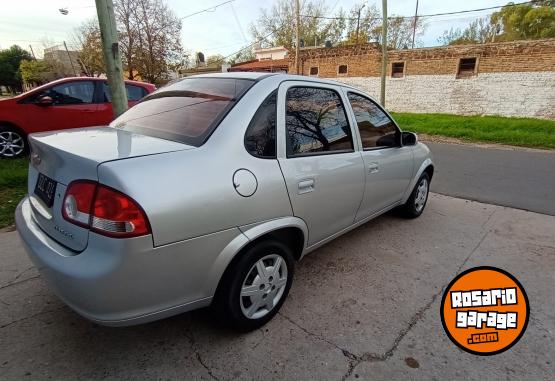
(290, 230)
(426, 165)
(4, 123)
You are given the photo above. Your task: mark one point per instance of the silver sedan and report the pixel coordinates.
(209, 191)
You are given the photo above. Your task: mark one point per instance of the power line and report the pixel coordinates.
(429, 15)
(246, 47)
(211, 9)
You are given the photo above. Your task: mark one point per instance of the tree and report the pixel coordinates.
(215, 60)
(158, 39)
(10, 59)
(399, 32)
(35, 72)
(242, 56)
(128, 34)
(525, 21)
(276, 27)
(512, 22)
(370, 20)
(91, 58)
(478, 32)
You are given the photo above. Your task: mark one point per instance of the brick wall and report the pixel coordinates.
(511, 78)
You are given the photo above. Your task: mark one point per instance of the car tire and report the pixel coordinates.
(252, 289)
(13, 143)
(418, 198)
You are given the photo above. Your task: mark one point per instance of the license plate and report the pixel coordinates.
(45, 189)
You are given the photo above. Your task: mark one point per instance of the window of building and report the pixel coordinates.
(467, 67)
(375, 127)
(260, 138)
(397, 69)
(342, 69)
(314, 70)
(316, 122)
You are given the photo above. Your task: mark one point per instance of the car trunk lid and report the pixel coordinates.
(61, 157)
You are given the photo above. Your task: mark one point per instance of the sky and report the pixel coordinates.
(224, 31)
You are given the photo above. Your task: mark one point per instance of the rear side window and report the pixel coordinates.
(260, 138)
(316, 122)
(134, 93)
(187, 111)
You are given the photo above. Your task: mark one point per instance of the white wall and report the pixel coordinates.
(526, 94)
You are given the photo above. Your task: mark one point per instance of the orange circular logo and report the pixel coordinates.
(485, 310)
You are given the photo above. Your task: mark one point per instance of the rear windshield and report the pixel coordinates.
(187, 111)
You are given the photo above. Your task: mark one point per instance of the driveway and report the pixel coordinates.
(365, 306)
(518, 178)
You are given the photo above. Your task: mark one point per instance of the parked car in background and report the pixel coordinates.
(59, 105)
(208, 191)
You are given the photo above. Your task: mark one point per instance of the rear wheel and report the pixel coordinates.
(417, 201)
(12, 142)
(254, 288)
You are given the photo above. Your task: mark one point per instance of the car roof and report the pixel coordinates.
(278, 77)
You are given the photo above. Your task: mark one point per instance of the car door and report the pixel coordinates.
(72, 106)
(388, 165)
(322, 168)
(134, 95)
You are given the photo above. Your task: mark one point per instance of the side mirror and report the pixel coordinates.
(45, 101)
(409, 139)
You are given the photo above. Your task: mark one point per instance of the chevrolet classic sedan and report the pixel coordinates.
(208, 192)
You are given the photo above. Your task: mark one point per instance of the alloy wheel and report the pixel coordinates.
(421, 195)
(11, 144)
(263, 286)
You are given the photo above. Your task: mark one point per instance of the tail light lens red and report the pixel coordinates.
(104, 210)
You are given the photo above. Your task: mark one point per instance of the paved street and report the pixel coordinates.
(516, 178)
(365, 306)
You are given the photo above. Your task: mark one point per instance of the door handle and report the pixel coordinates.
(373, 167)
(306, 186)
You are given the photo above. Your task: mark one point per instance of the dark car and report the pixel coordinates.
(62, 104)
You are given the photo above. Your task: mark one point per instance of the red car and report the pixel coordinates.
(58, 105)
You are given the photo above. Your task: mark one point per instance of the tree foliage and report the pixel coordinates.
(91, 58)
(35, 72)
(277, 25)
(510, 23)
(10, 59)
(149, 36)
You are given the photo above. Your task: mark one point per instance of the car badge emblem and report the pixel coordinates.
(35, 158)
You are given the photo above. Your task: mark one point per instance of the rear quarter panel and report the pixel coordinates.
(191, 193)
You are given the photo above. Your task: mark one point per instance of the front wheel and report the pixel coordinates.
(418, 198)
(254, 288)
(12, 142)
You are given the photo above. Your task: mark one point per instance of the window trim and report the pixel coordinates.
(398, 134)
(402, 73)
(467, 74)
(318, 153)
(346, 72)
(29, 99)
(274, 92)
(317, 71)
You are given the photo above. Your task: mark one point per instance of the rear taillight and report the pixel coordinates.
(104, 210)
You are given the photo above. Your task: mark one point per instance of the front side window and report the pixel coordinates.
(72, 93)
(260, 138)
(375, 127)
(316, 122)
(186, 111)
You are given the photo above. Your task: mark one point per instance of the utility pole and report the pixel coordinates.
(384, 52)
(358, 20)
(414, 25)
(70, 60)
(112, 56)
(297, 37)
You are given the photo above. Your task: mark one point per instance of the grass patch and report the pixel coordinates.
(13, 187)
(525, 132)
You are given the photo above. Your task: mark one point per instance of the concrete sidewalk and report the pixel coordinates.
(365, 306)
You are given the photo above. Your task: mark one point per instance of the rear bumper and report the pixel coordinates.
(127, 281)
